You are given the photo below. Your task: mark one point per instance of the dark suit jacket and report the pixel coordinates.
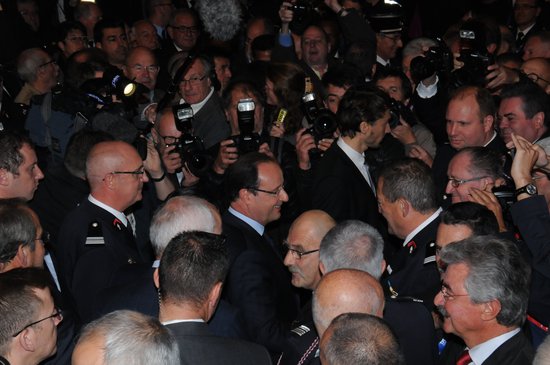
(515, 351)
(340, 189)
(258, 284)
(414, 271)
(210, 122)
(88, 265)
(199, 346)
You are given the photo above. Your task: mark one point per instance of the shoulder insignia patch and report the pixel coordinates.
(301, 330)
(95, 234)
(430, 253)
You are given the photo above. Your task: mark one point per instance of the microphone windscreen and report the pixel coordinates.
(221, 18)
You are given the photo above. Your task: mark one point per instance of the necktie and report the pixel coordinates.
(464, 359)
(369, 178)
(519, 37)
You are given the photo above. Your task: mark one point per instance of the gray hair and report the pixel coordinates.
(410, 179)
(543, 353)
(416, 46)
(133, 338)
(353, 244)
(16, 228)
(359, 338)
(29, 62)
(497, 271)
(484, 161)
(181, 214)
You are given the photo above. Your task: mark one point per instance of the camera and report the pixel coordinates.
(303, 15)
(190, 148)
(437, 59)
(398, 110)
(247, 141)
(476, 59)
(323, 122)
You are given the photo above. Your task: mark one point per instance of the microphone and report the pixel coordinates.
(221, 18)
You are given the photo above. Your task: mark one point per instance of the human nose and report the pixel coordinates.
(39, 175)
(283, 195)
(449, 188)
(451, 129)
(289, 259)
(439, 300)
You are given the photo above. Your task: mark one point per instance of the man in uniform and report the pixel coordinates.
(96, 239)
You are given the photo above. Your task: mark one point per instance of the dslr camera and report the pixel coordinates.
(437, 59)
(190, 147)
(323, 122)
(247, 141)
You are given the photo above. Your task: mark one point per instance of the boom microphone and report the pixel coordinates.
(221, 18)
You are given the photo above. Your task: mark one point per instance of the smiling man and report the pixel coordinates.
(257, 283)
(483, 300)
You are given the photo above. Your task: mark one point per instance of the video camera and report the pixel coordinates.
(247, 141)
(190, 148)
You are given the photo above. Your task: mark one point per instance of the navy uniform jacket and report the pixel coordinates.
(413, 268)
(93, 244)
(258, 284)
(199, 346)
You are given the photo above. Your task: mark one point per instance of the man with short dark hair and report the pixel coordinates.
(184, 31)
(88, 14)
(258, 283)
(358, 338)
(19, 171)
(190, 279)
(343, 185)
(406, 198)
(110, 36)
(71, 38)
(29, 320)
(537, 45)
(526, 22)
(483, 300)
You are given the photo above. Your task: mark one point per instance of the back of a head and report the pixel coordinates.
(543, 353)
(78, 148)
(16, 228)
(416, 47)
(475, 216)
(128, 338)
(496, 271)
(358, 338)
(410, 179)
(11, 144)
(359, 106)
(353, 245)
(192, 263)
(19, 301)
(181, 214)
(345, 291)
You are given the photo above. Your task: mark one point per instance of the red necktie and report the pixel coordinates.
(464, 358)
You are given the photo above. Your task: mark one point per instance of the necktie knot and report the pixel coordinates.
(464, 358)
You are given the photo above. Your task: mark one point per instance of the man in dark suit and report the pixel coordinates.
(526, 22)
(343, 186)
(407, 199)
(483, 299)
(258, 282)
(190, 278)
(95, 238)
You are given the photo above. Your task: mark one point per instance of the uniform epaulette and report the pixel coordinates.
(95, 234)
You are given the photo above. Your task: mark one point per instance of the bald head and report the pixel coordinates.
(538, 69)
(346, 291)
(141, 66)
(315, 223)
(115, 173)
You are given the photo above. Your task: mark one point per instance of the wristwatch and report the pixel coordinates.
(529, 189)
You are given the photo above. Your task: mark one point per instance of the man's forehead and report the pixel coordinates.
(313, 32)
(185, 19)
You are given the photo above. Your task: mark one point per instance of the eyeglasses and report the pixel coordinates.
(274, 192)
(184, 29)
(58, 315)
(47, 63)
(170, 140)
(139, 172)
(81, 39)
(448, 296)
(455, 183)
(535, 78)
(44, 239)
(297, 254)
(193, 80)
(151, 68)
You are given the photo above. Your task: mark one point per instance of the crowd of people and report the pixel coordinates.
(274, 182)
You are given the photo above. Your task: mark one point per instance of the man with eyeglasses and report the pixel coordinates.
(183, 31)
(71, 38)
(257, 283)
(538, 70)
(483, 300)
(302, 260)
(29, 317)
(387, 21)
(96, 238)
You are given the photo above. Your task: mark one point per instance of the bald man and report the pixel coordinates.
(346, 291)
(95, 239)
(302, 260)
(538, 70)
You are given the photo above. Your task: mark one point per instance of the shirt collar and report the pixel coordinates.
(251, 222)
(430, 219)
(491, 140)
(113, 211)
(198, 320)
(198, 106)
(357, 157)
(382, 61)
(481, 352)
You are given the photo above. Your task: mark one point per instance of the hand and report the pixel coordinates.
(264, 148)
(304, 143)
(456, 63)
(227, 155)
(188, 178)
(499, 76)
(489, 200)
(153, 163)
(150, 113)
(170, 158)
(421, 154)
(334, 5)
(285, 14)
(403, 132)
(325, 144)
(524, 160)
(277, 131)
